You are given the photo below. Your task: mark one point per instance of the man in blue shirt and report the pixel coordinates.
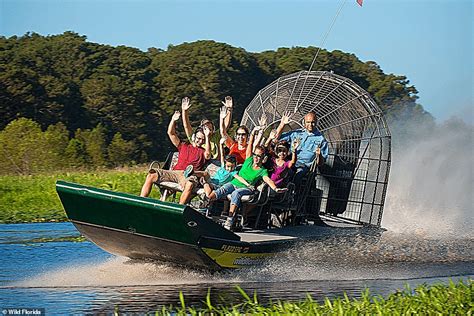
(312, 146)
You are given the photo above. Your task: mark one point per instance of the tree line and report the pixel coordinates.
(106, 106)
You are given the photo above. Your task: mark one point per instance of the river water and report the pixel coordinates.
(77, 277)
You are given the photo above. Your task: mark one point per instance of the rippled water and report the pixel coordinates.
(78, 277)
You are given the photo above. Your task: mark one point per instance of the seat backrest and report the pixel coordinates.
(171, 160)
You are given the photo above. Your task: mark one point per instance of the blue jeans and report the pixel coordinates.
(236, 193)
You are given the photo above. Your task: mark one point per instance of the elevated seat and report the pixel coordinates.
(166, 188)
(279, 206)
(171, 186)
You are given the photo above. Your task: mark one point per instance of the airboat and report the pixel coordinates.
(343, 197)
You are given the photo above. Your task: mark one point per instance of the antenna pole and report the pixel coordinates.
(297, 105)
(327, 34)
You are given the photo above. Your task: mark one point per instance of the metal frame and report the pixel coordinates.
(354, 179)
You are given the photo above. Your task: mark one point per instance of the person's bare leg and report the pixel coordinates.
(207, 189)
(212, 196)
(232, 210)
(187, 192)
(199, 174)
(146, 188)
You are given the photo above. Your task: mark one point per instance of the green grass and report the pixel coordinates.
(438, 299)
(34, 199)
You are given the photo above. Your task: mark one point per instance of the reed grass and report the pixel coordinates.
(34, 199)
(438, 299)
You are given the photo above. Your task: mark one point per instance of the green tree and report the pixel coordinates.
(94, 141)
(20, 148)
(206, 71)
(55, 141)
(64, 78)
(76, 154)
(120, 151)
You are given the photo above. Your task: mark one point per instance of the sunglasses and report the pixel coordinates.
(257, 155)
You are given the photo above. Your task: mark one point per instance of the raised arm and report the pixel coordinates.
(185, 105)
(221, 151)
(250, 142)
(294, 147)
(271, 138)
(229, 105)
(222, 127)
(207, 152)
(285, 119)
(262, 122)
(172, 129)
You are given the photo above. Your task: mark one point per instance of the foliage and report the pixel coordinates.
(97, 91)
(437, 299)
(33, 198)
(94, 144)
(25, 149)
(120, 151)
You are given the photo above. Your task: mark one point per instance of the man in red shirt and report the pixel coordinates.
(188, 154)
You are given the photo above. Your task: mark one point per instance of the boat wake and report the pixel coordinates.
(394, 256)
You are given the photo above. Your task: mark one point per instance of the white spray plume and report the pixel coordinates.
(430, 189)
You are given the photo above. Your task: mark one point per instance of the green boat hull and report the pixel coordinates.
(149, 229)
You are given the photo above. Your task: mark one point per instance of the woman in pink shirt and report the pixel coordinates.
(281, 164)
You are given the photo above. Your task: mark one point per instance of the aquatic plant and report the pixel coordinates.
(438, 299)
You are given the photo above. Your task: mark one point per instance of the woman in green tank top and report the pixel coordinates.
(250, 174)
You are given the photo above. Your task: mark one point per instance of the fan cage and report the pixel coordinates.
(352, 183)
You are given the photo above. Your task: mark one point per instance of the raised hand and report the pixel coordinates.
(222, 140)
(296, 143)
(262, 121)
(255, 130)
(185, 104)
(272, 135)
(285, 119)
(223, 112)
(206, 131)
(176, 116)
(228, 102)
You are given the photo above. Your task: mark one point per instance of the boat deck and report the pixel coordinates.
(289, 233)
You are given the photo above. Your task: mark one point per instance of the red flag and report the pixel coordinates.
(359, 2)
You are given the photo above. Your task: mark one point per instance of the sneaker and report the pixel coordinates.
(188, 171)
(229, 223)
(205, 200)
